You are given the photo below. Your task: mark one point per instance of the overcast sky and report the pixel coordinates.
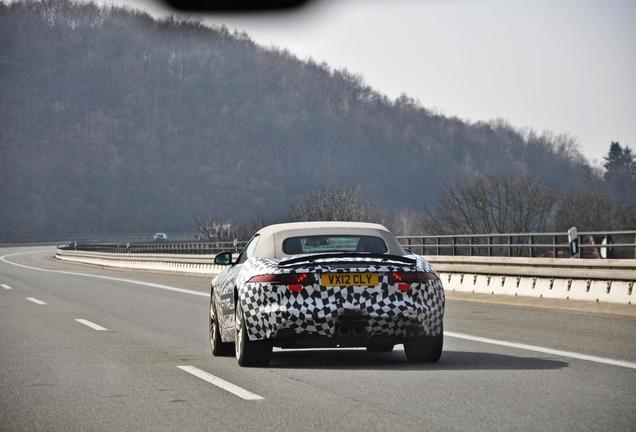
(568, 66)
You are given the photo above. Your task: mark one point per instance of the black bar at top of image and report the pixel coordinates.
(234, 5)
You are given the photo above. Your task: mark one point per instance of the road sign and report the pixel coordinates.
(573, 239)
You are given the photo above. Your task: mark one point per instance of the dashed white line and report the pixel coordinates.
(221, 383)
(90, 324)
(5, 286)
(542, 350)
(36, 301)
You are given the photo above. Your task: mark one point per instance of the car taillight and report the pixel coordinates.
(411, 277)
(404, 287)
(295, 287)
(294, 281)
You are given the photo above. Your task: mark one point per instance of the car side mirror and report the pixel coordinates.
(223, 258)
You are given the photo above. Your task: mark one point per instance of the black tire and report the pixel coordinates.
(380, 348)
(249, 353)
(424, 349)
(217, 346)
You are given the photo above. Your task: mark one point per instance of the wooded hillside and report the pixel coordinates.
(112, 121)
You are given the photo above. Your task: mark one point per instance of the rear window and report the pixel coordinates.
(333, 243)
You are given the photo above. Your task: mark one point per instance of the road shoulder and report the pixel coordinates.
(628, 310)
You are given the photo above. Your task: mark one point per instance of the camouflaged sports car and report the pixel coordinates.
(325, 284)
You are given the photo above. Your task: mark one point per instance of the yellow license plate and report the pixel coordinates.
(349, 279)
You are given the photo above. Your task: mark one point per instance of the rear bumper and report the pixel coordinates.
(272, 312)
(290, 339)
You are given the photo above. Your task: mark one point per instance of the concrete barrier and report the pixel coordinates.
(597, 280)
(614, 269)
(189, 264)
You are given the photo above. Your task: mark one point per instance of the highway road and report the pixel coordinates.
(90, 349)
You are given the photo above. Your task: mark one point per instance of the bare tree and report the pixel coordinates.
(218, 229)
(341, 203)
(213, 229)
(593, 210)
(499, 202)
(410, 222)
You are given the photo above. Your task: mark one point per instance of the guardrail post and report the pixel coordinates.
(470, 248)
(554, 250)
(509, 246)
(530, 248)
(437, 245)
(454, 246)
(489, 246)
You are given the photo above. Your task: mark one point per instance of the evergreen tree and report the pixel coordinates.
(620, 171)
(614, 159)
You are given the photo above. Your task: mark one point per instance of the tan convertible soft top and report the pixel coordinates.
(271, 237)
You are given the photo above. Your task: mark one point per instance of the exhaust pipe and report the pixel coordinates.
(358, 330)
(344, 329)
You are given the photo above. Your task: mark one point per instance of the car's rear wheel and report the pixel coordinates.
(249, 353)
(380, 348)
(217, 346)
(424, 349)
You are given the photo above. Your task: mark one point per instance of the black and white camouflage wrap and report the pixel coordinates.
(316, 309)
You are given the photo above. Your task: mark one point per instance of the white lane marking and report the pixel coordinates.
(36, 301)
(221, 383)
(543, 350)
(148, 284)
(90, 324)
(535, 348)
(5, 286)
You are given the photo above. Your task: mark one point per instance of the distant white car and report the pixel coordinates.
(160, 237)
(325, 284)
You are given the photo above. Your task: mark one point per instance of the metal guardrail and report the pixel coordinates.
(615, 244)
(611, 244)
(159, 247)
(144, 237)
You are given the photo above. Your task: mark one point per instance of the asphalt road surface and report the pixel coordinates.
(90, 349)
